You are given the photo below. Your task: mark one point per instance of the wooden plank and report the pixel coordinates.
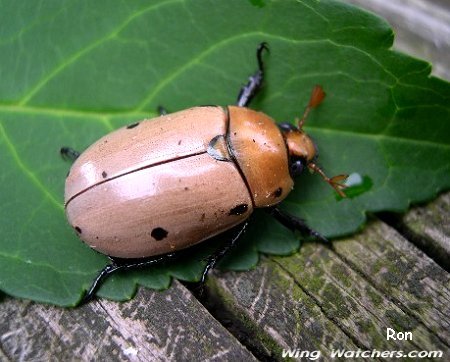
(155, 326)
(320, 299)
(429, 227)
(274, 311)
(406, 275)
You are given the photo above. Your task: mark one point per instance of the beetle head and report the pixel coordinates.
(302, 149)
(300, 145)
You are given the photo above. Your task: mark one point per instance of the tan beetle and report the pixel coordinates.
(150, 189)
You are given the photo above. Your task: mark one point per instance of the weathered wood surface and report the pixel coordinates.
(429, 228)
(155, 326)
(342, 297)
(322, 298)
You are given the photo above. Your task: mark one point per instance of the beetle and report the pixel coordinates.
(153, 188)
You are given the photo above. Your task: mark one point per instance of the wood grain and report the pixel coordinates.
(344, 297)
(429, 228)
(155, 326)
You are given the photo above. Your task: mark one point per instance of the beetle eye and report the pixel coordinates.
(297, 167)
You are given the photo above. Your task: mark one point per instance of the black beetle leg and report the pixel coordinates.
(162, 111)
(121, 264)
(255, 81)
(99, 279)
(294, 223)
(69, 153)
(220, 253)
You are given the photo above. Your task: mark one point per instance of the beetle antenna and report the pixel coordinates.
(335, 182)
(317, 96)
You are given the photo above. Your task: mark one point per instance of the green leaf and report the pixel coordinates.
(71, 71)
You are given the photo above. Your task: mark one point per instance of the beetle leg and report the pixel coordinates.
(100, 278)
(222, 251)
(255, 81)
(162, 111)
(294, 223)
(69, 153)
(121, 264)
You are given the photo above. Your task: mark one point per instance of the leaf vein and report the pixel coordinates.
(31, 176)
(81, 52)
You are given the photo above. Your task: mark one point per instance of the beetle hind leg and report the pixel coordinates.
(255, 81)
(98, 281)
(121, 264)
(69, 153)
(294, 223)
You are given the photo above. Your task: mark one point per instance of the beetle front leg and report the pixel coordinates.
(255, 81)
(294, 223)
(69, 153)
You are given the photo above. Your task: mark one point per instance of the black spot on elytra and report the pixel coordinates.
(130, 126)
(277, 192)
(77, 229)
(179, 142)
(186, 188)
(159, 233)
(104, 174)
(239, 209)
